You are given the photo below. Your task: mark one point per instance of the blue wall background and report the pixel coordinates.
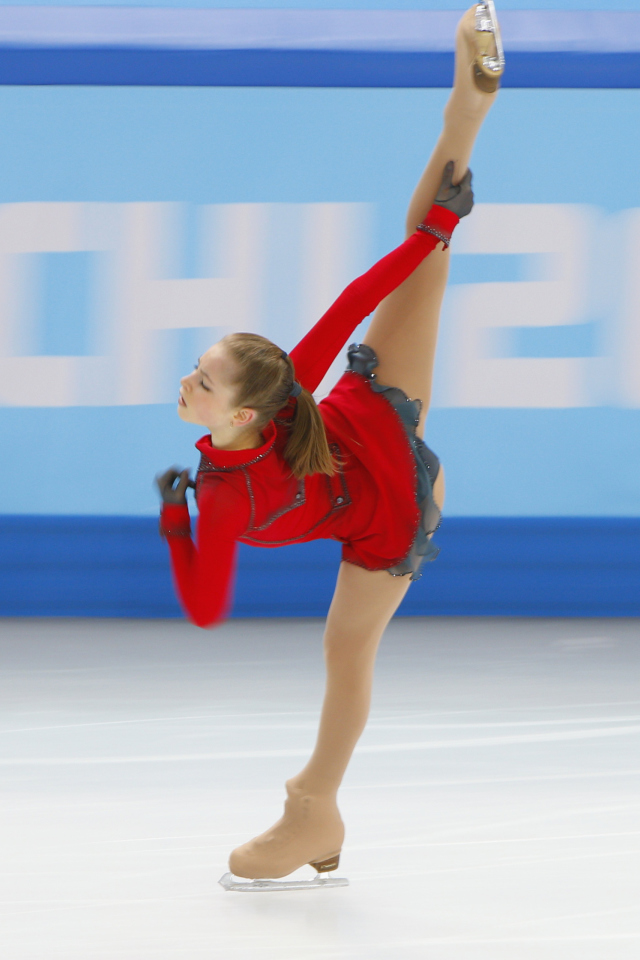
(96, 178)
(304, 147)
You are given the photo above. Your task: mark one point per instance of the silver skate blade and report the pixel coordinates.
(229, 882)
(487, 22)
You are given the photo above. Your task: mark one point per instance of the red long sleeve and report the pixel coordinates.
(203, 572)
(315, 353)
(203, 575)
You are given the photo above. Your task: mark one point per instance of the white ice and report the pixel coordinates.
(492, 809)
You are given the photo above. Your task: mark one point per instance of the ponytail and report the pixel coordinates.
(266, 379)
(307, 450)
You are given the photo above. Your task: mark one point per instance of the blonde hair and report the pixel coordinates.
(266, 379)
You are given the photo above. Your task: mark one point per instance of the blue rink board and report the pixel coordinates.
(118, 567)
(104, 66)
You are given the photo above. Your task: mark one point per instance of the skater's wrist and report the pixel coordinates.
(175, 520)
(441, 218)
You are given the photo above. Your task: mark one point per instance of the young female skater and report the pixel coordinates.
(276, 469)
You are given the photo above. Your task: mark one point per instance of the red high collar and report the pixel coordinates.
(234, 459)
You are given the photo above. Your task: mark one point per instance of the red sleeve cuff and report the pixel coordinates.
(440, 222)
(441, 217)
(175, 520)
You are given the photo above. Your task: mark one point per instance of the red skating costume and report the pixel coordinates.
(369, 505)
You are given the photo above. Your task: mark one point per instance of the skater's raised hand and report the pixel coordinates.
(169, 490)
(458, 198)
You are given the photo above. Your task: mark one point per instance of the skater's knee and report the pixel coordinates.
(350, 650)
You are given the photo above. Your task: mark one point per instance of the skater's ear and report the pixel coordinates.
(244, 416)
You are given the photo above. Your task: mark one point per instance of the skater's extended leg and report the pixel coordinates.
(311, 828)
(404, 329)
(464, 114)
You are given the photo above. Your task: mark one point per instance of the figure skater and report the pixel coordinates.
(277, 469)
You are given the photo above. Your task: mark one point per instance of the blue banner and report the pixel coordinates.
(137, 226)
(174, 171)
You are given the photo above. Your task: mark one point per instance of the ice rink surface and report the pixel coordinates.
(492, 809)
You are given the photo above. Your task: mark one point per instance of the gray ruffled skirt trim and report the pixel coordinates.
(363, 360)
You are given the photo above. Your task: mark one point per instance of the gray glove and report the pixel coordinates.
(458, 198)
(174, 494)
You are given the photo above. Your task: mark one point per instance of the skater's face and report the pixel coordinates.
(207, 396)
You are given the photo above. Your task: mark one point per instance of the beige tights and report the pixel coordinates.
(403, 334)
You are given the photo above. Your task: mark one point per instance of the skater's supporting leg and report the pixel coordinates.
(311, 828)
(363, 604)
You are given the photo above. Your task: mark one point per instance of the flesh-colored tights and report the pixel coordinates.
(403, 334)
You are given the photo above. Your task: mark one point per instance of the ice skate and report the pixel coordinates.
(488, 64)
(309, 832)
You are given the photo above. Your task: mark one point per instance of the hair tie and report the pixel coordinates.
(296, 389)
